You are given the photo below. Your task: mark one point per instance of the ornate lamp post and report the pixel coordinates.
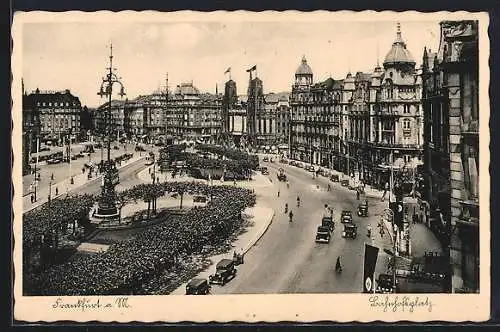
(107, 202)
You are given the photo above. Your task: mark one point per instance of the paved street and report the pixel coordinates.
(61, 171)
(287, 259)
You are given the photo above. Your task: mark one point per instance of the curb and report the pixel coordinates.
(261, 233)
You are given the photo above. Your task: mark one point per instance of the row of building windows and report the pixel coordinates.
(55, 104)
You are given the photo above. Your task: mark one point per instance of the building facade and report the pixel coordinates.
(451, 149)
(256, 115)
(185, 114)
(363, 123)
(57, 113)
(31, 130)
(194, 116)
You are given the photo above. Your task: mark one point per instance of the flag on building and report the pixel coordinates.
(252, 69)
(370, 261)
(228, 70)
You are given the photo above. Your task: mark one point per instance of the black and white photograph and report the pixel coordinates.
(281, 165)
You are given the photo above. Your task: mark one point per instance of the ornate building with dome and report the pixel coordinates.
(315, 118)
(363, 123)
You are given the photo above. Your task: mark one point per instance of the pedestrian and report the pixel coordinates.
(57, 191)
(83, 170)
(386, 188)
(357, 194)
(278, 193)
(52, 176)
(32, 199)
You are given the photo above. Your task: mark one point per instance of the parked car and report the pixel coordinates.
(224, 271)
(346, 216)
(264, 171)
(323, 235)
(385, 284)
(344, 183)
(350, 231)
(310, 168)
(198, 286)
(139, 148)
(116, 147)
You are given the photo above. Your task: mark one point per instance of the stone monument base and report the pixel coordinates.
(99, 216)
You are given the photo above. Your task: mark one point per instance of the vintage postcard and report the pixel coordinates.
(252, 167)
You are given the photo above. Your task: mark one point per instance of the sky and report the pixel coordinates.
(74, 55)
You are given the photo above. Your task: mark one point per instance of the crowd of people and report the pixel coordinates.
(127, 265)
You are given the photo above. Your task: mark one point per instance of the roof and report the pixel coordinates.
(329, 84)
(187, 89)
(224, 263)
(360, 76)
(196, 282)
(398, 52)
(50, 96)
(304, 68)
(276, 97)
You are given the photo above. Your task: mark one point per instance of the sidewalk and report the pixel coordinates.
(64, 186)
(261, 217)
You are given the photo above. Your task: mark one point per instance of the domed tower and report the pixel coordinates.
(399, 57)
(303, 74)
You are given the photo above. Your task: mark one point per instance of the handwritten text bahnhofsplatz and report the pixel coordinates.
(403, 303)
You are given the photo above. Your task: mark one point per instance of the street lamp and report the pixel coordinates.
(107, 201)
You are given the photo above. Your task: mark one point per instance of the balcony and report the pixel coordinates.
(469, 213)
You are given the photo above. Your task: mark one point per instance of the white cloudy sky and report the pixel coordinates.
(60, 55)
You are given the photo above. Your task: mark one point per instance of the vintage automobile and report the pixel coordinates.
(292, 162)
(363, 209)
(238, 258)
(281, 175)
(266, 159)
(328, 222)
(323, 234)
(264, 171)
(310, 168)
(139, 148)
(350, 231)
(346, 216)
(384, 284)
(197, 286)
(224, 271)
(334, 178)
(344, 183)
